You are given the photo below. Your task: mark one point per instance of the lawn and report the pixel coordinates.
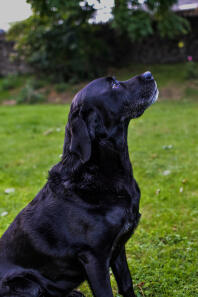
(163, 144)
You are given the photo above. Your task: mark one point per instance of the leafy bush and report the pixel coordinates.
(153, 17)
(60, 51)
(29, 95)
(191, 92)
(37, 83)
(61, 40)
(9, 82)
(61, 87)
(191, 69)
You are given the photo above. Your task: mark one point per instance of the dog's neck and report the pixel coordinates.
(109, 166)
(109, 155)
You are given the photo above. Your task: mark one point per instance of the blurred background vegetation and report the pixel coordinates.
(62, 45)
(62, 40)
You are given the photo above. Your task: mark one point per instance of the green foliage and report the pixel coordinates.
(135, 23)
(138, 21)
(159, 5)
(61, 50)
(9, 82)
(170, 25)
(163, 252)
(37, 83)
(191, 92)
(11, 85)
(55, 8)
(28, 95)
(61, 87)
(59, 41)
(191, 70)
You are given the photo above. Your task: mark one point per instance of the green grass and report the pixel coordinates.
(163, 253)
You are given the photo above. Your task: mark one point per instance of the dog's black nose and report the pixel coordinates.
(147, 75)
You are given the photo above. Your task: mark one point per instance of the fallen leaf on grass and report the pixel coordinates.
(51, 130)
(184, 181)
(157, 192)
(166, 172)
(140, 285)
(47, 132)
(181, 189)
(167, 147)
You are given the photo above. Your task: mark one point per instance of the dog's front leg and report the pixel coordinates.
(122, 274)
(97, 271)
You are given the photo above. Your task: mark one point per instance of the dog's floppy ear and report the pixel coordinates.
(80, 140)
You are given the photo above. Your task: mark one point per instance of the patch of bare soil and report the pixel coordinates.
(64, 97)
(9, 102)
(193, 84)
(54, 97)
(172, 92)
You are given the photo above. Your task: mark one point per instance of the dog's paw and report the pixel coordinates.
(75, 293)
(129, 293)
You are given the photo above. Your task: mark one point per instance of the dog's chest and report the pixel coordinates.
(125, 220)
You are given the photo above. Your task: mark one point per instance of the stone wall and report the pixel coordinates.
(7, 66)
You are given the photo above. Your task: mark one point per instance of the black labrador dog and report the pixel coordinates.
(76, 228)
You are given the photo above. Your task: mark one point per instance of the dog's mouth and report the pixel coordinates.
(148, 95)
(155, 95)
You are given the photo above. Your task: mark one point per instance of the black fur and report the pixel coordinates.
(78, 224)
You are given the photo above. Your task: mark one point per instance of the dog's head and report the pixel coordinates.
(101, 109)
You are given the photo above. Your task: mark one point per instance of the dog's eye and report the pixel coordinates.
(115, 83)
